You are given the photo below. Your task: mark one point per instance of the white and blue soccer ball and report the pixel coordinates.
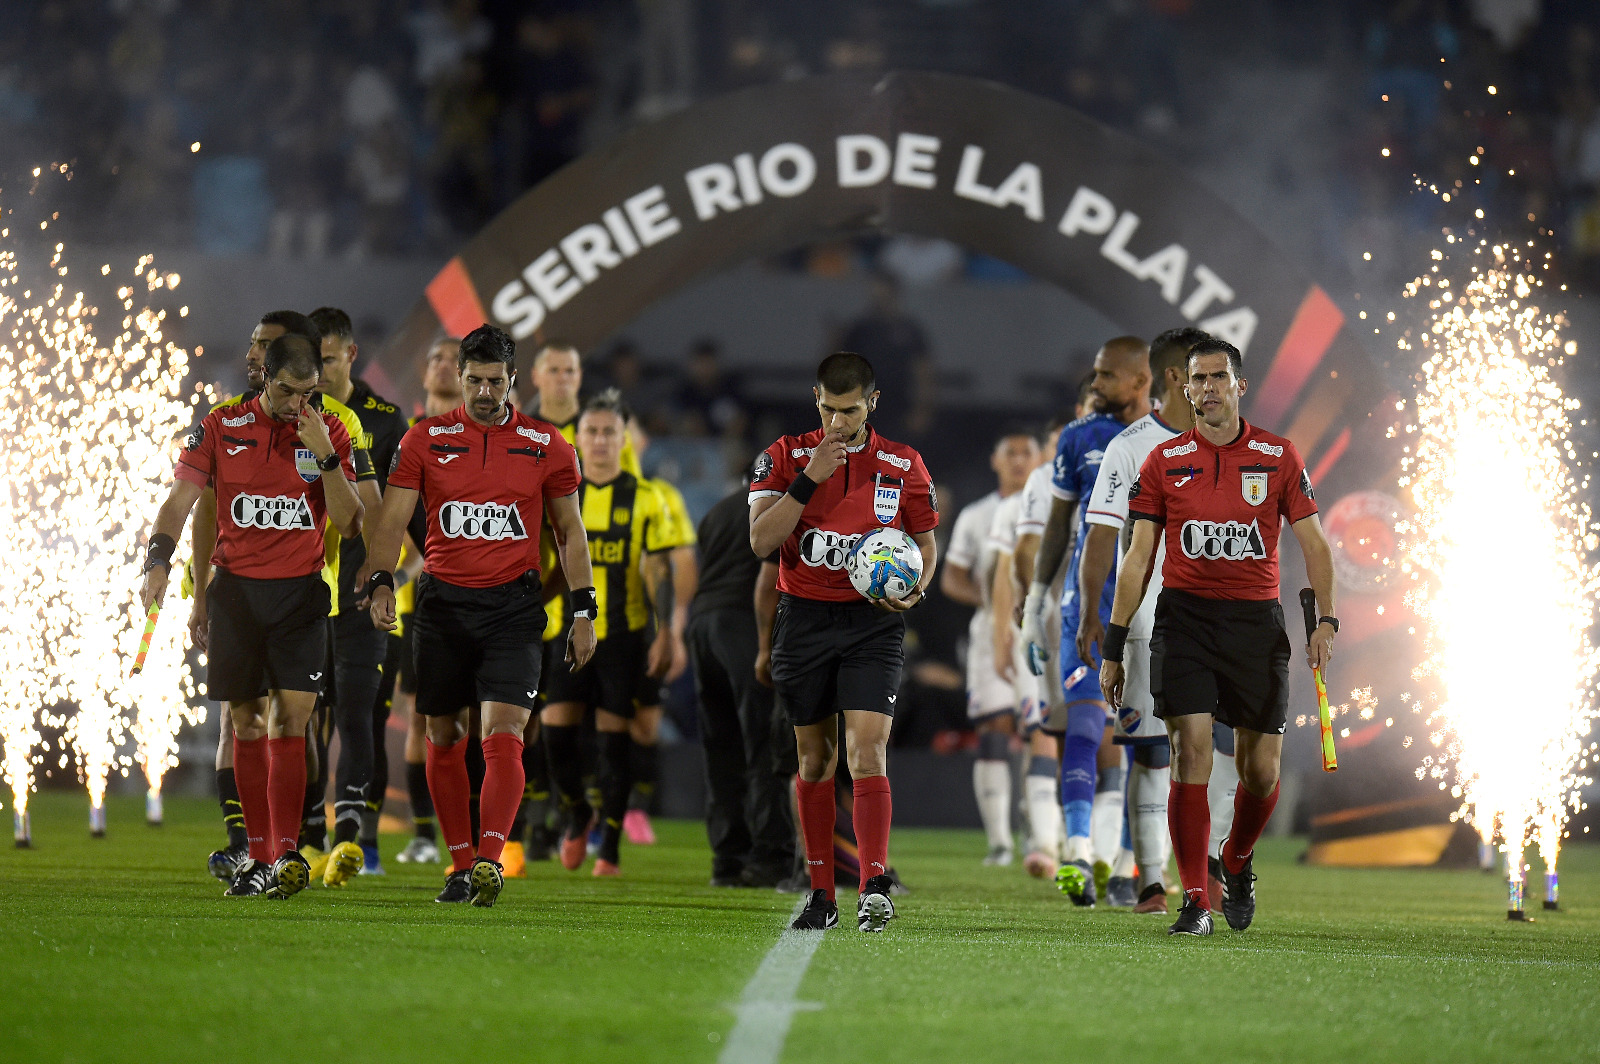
(884, 563)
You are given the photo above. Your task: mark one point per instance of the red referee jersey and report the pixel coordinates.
(1222, 509)
(270, 502)
(484, 490)
(882, 484)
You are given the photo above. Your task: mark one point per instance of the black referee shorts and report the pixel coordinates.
(828, 657)
(265, 635)
(614, 680)
(1226, 658)
(476, 644)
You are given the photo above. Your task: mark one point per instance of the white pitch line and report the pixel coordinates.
(768, 1004)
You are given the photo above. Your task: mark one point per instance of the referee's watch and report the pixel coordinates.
(330, 463)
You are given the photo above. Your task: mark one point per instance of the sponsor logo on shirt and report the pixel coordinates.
(1229, 541)
(446, 430)
(802, 452)
(1266, 448)
(275, 512)
(819, 547)
(903, 464)
(1094, 457)
(1173, 452)
(533, 434)
(481, 520)
(236, 422)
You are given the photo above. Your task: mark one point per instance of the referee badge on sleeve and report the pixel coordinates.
(886, 499)
(305, 463)
(1254, 488)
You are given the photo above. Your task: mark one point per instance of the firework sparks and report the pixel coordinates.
(87, 444)
(1500, 549)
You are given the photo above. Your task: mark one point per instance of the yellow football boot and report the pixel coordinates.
(316, 859)
(344, 861)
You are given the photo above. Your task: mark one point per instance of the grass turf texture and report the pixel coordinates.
(123, 949)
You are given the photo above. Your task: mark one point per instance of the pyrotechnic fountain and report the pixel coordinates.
(87, 443)
(1501, 548)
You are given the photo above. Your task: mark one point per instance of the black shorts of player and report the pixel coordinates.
(406, 673)
(828, 657)
(613, 680)
(1226, 658)
(476, 644)
(265, 635)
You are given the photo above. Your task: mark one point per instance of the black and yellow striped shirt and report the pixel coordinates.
(626, 519)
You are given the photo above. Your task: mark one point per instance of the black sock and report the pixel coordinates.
(475, 770)
(314, 816)
(232, 811)
(646, 762)
(421, 800)
(616, 777)
(566, 772)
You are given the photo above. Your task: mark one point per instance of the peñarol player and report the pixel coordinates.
(811, 498)
(487, 476)
(1218, 650)
(278, 466)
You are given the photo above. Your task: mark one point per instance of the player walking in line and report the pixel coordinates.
(278, 467)
(1218, 495)
(1136, 725)
(1091, 779)
(359, 651)
(487, 476)
(630, 531)
(441, 385)
(811, 498)
(968, 578)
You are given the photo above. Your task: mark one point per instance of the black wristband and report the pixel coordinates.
(584, 604)
(1112, 642)
(802, 488)
(380, 578)
(1332, 621)
(159, 552)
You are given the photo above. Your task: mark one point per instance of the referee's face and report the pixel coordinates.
(844, 414)
(1213, 389)
(483, 388)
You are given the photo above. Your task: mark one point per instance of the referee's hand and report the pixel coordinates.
(1320, 650)
(382, 609)
(580, 643)
(828, 456)
(1111, 677)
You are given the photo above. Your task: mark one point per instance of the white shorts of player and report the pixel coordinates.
(1137, 718)
(987, 693)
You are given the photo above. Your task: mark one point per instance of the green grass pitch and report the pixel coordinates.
(122, 949)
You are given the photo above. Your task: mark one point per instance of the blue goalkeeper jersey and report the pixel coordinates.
(1078, 454)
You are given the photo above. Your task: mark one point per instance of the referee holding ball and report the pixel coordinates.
(811, 498)
(1220, 494)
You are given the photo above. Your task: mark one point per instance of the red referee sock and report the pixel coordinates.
(503, 780)
(872, 813)
(451, 790)
(286, 791)
(1189, 821)
(816, 827)
(250, 774)
(1250, 816)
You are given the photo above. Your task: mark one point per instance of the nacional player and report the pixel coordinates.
(968, 578)
(278, 468)
(487, 475)
(811, 498)
(630, 531)
(1217, 496)
(1091, 778)
(1135, 724)
(360, 651)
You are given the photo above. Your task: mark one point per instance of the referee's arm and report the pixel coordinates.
(383, 548)
(572, 542)
(169, 522)
(1133, 577)
(1319, 570)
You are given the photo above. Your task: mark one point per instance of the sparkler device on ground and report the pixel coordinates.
(144, 642)
(1330, 761)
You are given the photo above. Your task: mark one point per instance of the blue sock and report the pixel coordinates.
(1078, 818)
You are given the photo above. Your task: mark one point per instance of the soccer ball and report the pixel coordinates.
(885, 563)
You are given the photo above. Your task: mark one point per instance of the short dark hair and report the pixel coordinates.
(292, 321)
(333, 322)
(1059, 420)
(843, 372)
(1011, 432)
(1170, 350)
(487, 343)
(608, 401)
(557, 344)
(1212, 346)
(296, 354)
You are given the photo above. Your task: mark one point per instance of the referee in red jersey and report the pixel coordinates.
(279, 466)
(1219, 493)
(487, 476)
(811, 498)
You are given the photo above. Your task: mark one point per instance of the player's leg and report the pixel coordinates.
(248, 725)
(449, 788)
(644, 765)
(503, 779)
(817, 748)
(561, 720)
(424, 845)
(615, 777)
(1106, 822)
(867, 689)
(1220, 793)
(358, 650)
(1080, 747)
(288, 715)
(514, 858)
(1042, 797)
(1149, 781)
(378, 787)
(991, 707)
(225, 862)
(1188, 815)
(723, 744)
(768, 790)
(314, 808)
